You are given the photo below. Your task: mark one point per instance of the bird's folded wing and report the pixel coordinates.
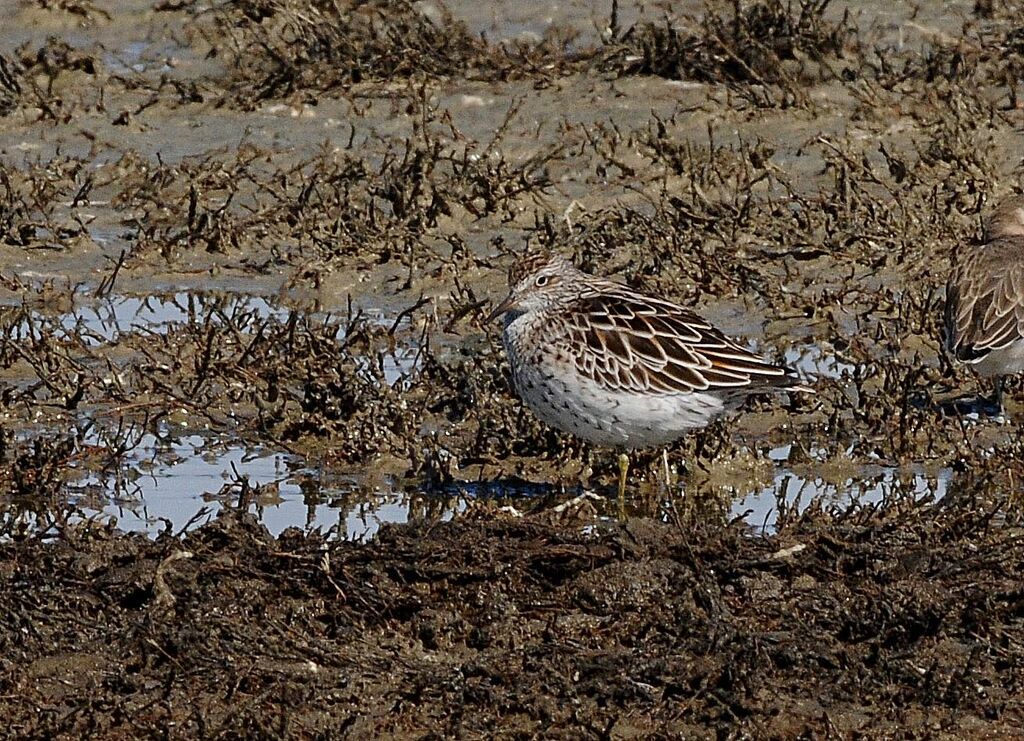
(633, 343)
(984, 305)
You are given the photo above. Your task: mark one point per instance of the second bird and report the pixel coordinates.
(617, 367)
(985, 299)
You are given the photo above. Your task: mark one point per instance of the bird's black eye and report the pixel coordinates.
(542, 280)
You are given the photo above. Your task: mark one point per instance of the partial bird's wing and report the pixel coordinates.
(985, 300)
(631, 342)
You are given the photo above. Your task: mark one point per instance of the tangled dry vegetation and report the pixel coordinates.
(852, 263)
(281, 47)
(805, 170)
(495, 625)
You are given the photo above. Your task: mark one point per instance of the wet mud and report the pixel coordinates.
(255, 243)
(905, 623)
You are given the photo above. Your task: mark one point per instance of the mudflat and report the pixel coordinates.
(276, 229)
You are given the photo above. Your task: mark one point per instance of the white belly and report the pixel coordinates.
(567, 401)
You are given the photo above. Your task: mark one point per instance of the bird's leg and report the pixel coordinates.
(999, 395)
(623, 470)
(668, 472)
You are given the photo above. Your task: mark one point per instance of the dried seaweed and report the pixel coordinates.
(280, 46)
(848, 625)
(763, 43)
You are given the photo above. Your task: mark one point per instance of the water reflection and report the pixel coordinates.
(760, 509)
(180, 485)
(108, 320)
(170, 482)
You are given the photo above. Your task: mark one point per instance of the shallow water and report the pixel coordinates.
(870, 486)
(107, 320)
(180, 479)
(178, 484)
(813, 362)
(182, 484)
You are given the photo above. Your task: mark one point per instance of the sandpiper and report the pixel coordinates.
(985, 299)
(617, 367)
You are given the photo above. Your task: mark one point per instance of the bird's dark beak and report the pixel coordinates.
(501, 308)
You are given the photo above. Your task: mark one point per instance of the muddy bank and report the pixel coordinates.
(866, 624)
(242, 228)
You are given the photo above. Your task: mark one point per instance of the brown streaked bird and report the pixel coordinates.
(618, 367)
(984, 318)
